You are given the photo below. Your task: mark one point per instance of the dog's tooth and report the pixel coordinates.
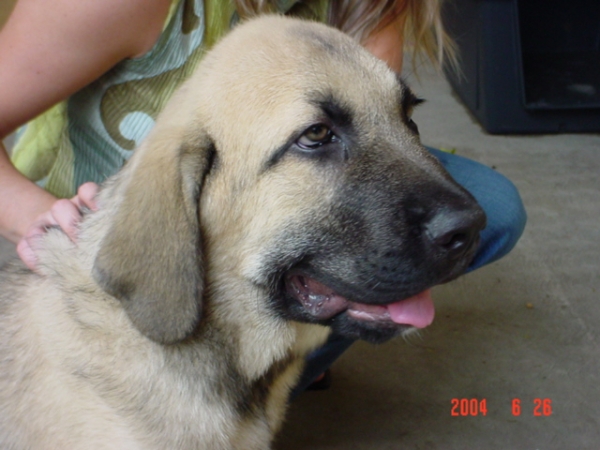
(303, 281)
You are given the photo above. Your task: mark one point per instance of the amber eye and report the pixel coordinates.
(316, 136)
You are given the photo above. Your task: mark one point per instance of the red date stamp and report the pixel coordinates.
(473, 407)
(463, 407)
(542, 407)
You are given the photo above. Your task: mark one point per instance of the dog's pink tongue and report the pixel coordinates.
(417, 310)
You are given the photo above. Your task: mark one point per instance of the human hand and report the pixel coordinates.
(64, 214)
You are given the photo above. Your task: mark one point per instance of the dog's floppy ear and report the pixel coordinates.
(151, 258)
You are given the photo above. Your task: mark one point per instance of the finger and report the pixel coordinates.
(85, 197)
(27, 254)
(26, 246)
(41, 225)
(67, 215)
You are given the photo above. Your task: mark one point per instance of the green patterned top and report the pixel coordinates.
(89, 136)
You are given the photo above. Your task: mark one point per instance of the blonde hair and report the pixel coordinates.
(424, 32)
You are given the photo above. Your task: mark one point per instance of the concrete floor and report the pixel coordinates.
(526, 327)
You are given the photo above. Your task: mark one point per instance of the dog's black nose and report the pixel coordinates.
(454, 232)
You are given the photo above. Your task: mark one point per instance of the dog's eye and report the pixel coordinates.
(316, 136)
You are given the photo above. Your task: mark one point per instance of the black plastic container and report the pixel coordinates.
(528, 66)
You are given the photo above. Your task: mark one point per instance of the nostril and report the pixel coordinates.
(453, 231)
(454, 240)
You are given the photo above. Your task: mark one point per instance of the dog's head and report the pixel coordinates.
(290, 162)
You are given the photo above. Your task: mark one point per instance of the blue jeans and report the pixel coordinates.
(506, 219)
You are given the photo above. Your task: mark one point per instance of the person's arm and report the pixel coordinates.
(50, 50)
(387, 43)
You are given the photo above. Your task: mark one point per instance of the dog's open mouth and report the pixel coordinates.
(323, 303)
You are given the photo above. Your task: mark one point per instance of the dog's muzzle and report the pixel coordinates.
(391, 292)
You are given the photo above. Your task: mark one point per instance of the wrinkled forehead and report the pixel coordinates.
(289, 69)
(340, 64)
